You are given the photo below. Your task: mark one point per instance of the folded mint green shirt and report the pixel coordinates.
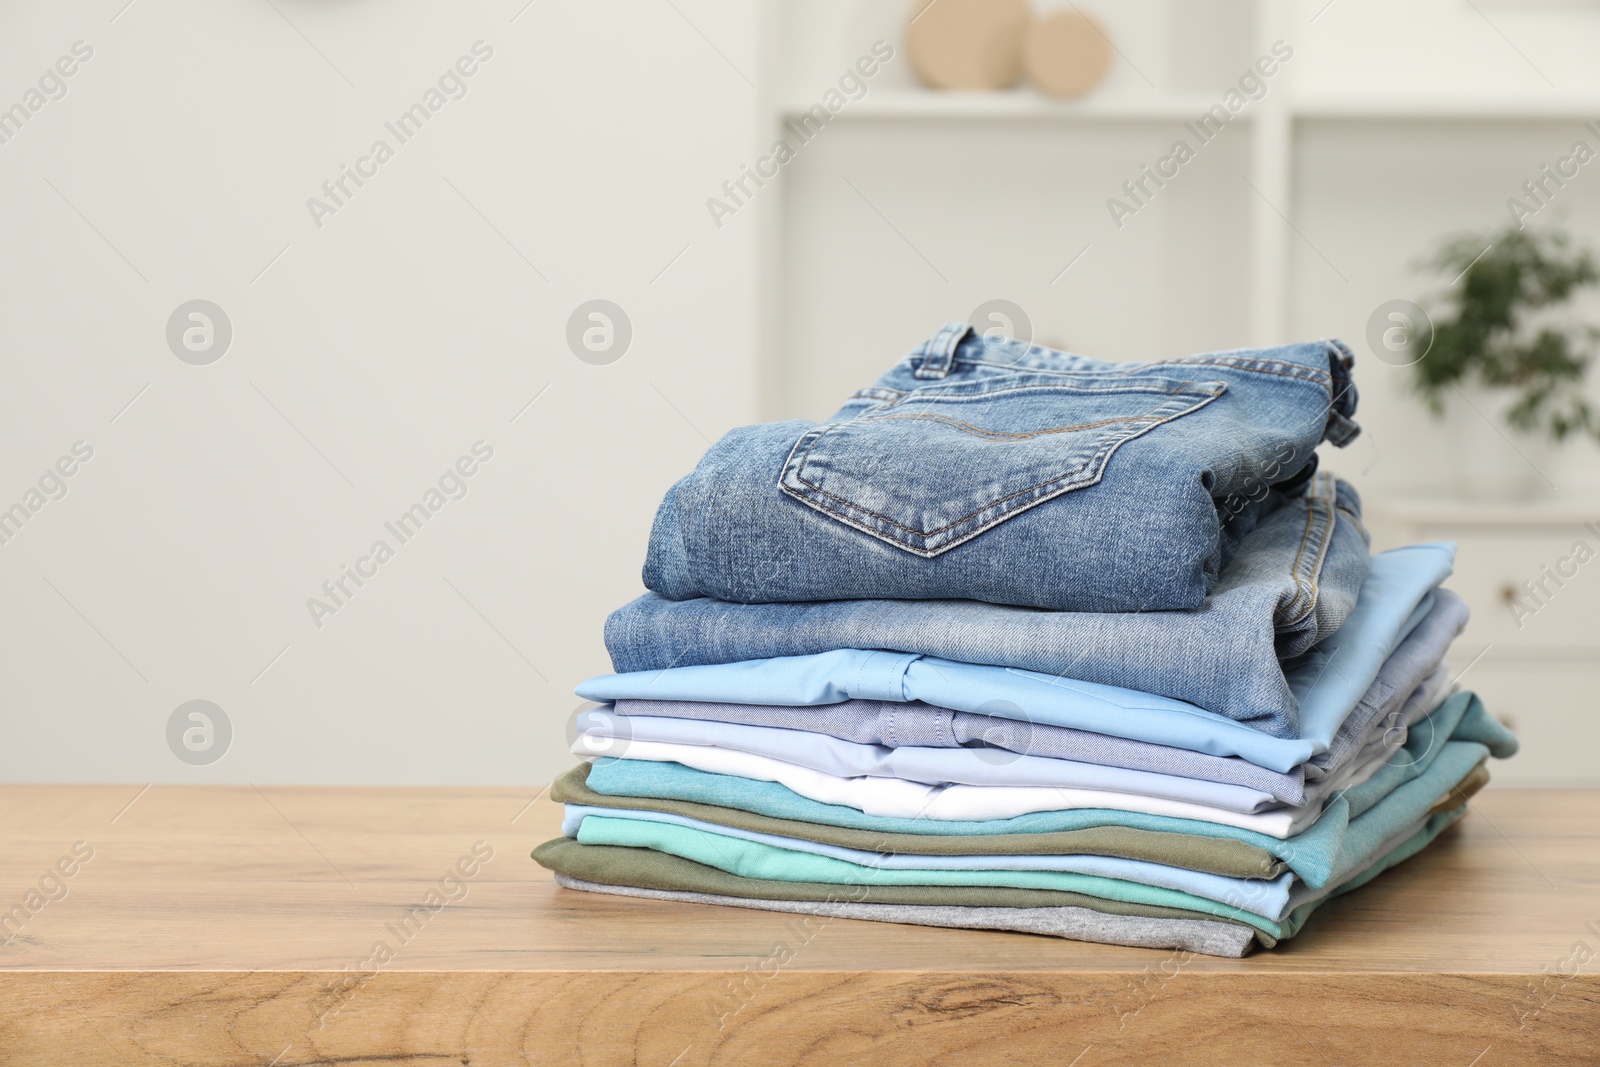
(751, 859)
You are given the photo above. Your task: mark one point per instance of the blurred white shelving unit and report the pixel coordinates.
(1175, 61)
(1011, 104)
(1117, 128)
(1411, 107)
(1392, 127)
(1028, 104)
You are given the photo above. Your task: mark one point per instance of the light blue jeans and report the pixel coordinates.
(1292, 583)
(984, 469)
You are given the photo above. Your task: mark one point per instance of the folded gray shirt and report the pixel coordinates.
(1078, 924)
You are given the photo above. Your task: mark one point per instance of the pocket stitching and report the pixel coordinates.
(803, 447)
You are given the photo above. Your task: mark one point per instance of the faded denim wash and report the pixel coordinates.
(1292, 583)
(986, 469)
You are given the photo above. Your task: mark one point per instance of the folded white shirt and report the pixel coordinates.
(897, 798)
(606, 733)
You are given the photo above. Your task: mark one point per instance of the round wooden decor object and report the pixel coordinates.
(1067, 53)
(968, 44)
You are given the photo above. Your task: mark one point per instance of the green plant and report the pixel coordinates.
(1497, 328)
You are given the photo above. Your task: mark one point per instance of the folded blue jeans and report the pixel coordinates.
(1381, 713)
(1319, 689)
(1292, 584)
(981, 468)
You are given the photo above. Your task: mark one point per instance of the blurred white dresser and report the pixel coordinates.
(1531, 572)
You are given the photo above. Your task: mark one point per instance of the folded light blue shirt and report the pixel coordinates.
(1327, 682)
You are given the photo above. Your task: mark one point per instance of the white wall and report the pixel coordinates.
(372, 351)
(368, 357)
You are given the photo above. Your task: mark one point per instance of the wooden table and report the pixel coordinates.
(225, 926)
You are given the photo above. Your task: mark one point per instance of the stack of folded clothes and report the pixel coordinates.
(1020, 640)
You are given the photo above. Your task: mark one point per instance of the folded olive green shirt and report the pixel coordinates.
(1214, 855)
(760, 861)
(649, 869)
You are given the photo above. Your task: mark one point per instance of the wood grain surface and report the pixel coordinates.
(296, 926)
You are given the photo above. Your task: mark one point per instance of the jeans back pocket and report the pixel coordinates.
(940, 465)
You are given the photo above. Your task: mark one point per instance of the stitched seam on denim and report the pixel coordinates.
(1016, 367)
(1313, 377)
(1021, 492)
(1322, 504)
(1288, 370)
(950, 394)
(1315, 509)
(1299, 588)
(979, 431)
(1276, 367)
(1330, 530)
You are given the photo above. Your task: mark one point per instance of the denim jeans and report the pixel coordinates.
(1399, 695)
(986, 469)
(1292, 583)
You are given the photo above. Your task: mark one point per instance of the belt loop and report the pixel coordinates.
(934, 358)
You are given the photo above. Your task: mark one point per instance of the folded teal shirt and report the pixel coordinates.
(1356, 823)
